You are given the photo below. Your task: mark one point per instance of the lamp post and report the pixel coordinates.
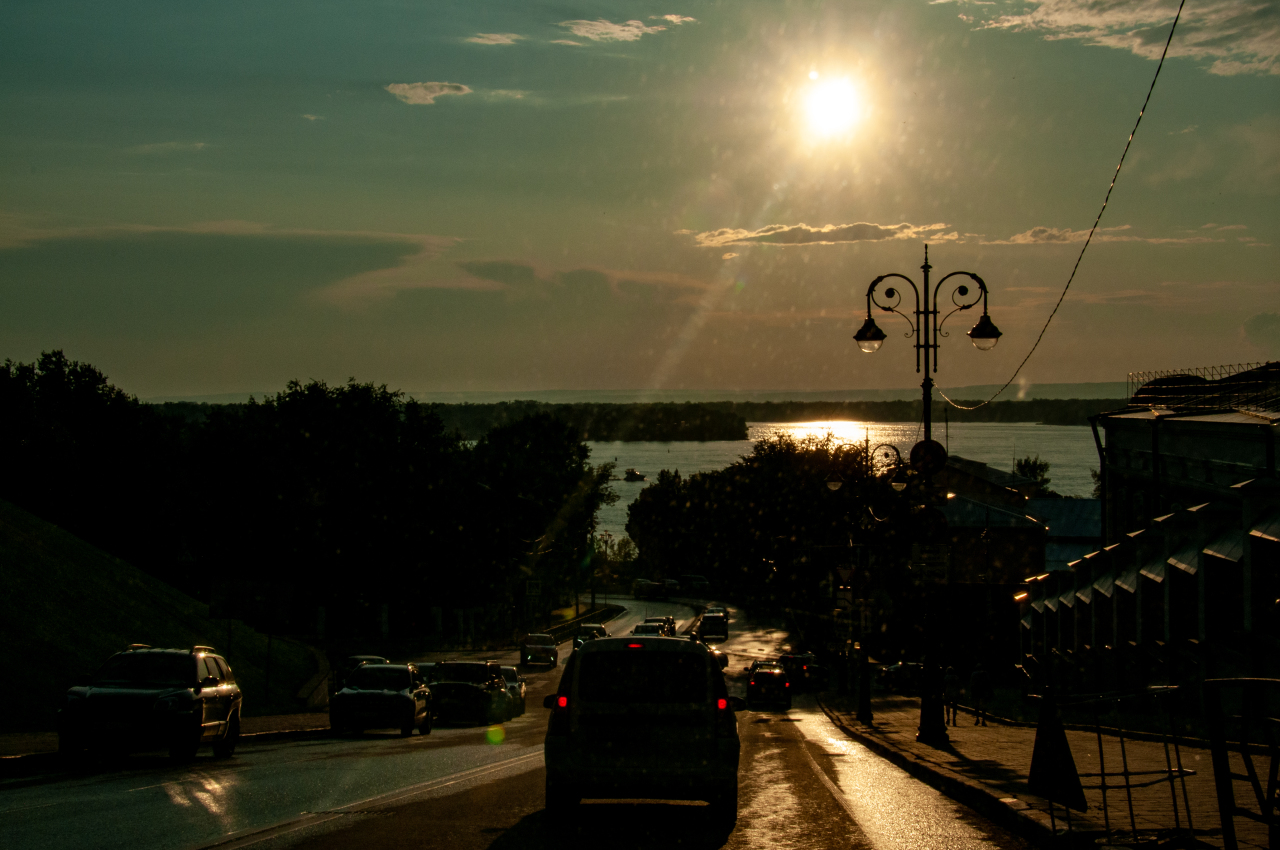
(927, 328)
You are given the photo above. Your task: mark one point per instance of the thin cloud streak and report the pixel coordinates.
(603, 30)
(495, 38)
(830, 234)
(425, 94)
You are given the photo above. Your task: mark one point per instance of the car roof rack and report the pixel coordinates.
(134, 646)
(198, 648)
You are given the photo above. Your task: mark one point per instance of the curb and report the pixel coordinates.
(1011, 813)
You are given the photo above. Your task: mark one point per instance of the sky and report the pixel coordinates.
(522, 196)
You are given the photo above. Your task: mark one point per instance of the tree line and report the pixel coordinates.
(659, 422)
(348, 499)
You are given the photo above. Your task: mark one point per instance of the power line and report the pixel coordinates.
(1092, 230)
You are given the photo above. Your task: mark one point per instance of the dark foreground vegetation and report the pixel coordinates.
(322, 511)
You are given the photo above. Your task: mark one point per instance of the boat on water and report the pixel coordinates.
(632, 475)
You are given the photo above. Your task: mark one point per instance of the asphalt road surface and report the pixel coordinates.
(802, 785)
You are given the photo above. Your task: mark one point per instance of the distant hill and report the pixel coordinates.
(66, 606)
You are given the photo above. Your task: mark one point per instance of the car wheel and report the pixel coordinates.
(560, 797)
(226, 747)
(425, 727)
(71, 745)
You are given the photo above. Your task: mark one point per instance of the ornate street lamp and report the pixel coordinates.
(926, 327)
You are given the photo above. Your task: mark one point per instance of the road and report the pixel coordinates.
(802, 784)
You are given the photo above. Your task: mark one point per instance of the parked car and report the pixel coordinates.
(694, 584)
(643, 717)
(473, 691)
(146, 698)
(539, 648)
(901, 678)
(381, 696)
(516, 687)
(343, 669)
(769, 685)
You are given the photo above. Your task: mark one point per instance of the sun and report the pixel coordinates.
(833, 107)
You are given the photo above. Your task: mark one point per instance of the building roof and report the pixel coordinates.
(1220, 388)
(995, 476)
(967, 513)
(1069, 518)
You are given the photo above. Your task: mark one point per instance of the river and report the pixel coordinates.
(1068, 449)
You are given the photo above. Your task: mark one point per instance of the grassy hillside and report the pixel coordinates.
(66, 606)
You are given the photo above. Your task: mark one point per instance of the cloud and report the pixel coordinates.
(1234, 227)
(169, 147)
(1234, 36)
(514, 94)
(831, 234)
(729, 256)
(603, 30)
(1184, 130)
(1065, 236)
(423, 94)
(675, 19)
(310, 117)
(568, 42)
(495, 38)
(1263, 330)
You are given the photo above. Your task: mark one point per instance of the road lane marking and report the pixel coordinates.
(255, 836)
(826, 780)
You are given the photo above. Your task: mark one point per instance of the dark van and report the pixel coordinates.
(643, 717)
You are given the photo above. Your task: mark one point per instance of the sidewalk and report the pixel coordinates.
(987, 768)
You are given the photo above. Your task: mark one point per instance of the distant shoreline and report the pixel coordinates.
(722, 420)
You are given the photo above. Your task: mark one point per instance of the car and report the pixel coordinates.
(694, 584)
(515, 687)
(539, 648)
(145, 698)
(902, 678)
(714, 626)
(642, 718)
(589, 631)
(474, 691)
(804, 672)
(671, 586)
(351, 662)
(381, 696)
(667, 623)
(769, 685)
(650, 630)
(758, 663)
(645, 589)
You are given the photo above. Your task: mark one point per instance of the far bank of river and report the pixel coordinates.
(1069, 450)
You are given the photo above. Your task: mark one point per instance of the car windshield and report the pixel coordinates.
(510, 674)
(135, 669)
(648, 629)
(540, 640)
(636, 677)
(461, 672)
(371, 678)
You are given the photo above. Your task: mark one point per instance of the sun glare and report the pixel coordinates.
(833, 107)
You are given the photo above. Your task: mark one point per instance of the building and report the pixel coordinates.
(1189, 573)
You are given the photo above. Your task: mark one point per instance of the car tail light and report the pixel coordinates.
(635, 646)
(806, 667)
(562, 702)
(752, 682)
(722, 704)
(786, 684)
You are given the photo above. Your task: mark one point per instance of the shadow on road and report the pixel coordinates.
(619, 826)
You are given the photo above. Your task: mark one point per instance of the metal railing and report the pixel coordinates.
(1237, 386)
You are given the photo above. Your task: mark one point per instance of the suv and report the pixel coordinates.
(714, 626)
(667, 624)
(643, 717)
(145, 698)
(539, 648)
